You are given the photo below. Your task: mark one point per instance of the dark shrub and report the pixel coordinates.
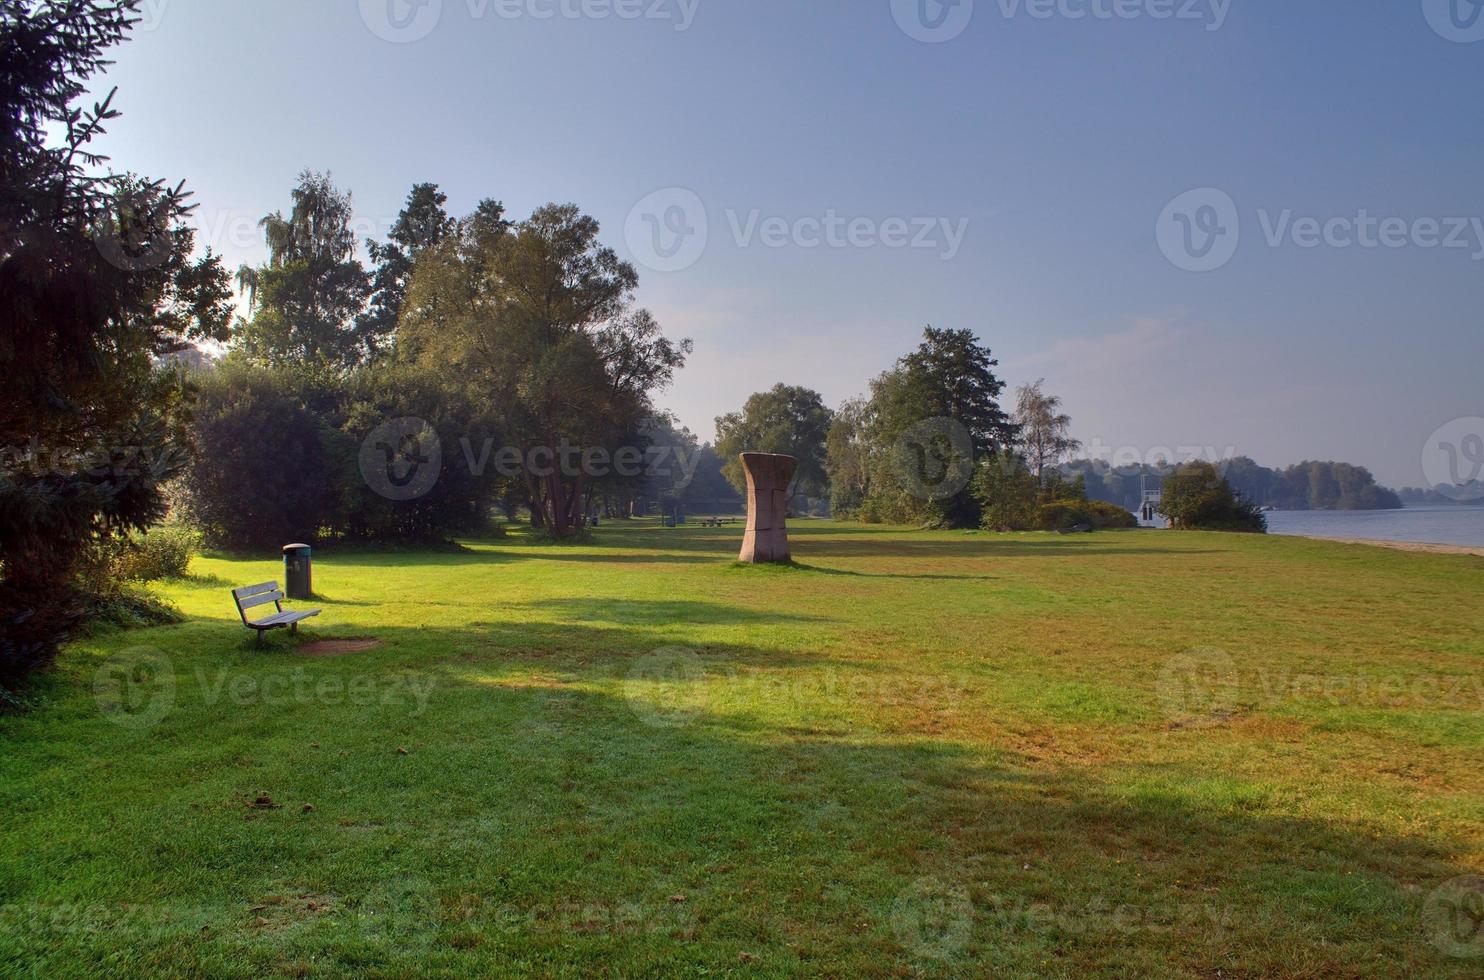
(285, 456)
(261, 476)
(1112, 516)
(1197, 497)
(467, 480)
(1097, 514)
(1007, 492)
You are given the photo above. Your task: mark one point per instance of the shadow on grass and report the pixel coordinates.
(682, 611)
(559, 765)
(820, 570)
(981, 547)
(648, 544)
(521, 644)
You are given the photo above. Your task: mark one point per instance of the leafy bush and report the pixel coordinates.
(1013, 500)
(1097, 514)
(279, 457)
(260, 476)
(106, 589)
(460, 499)
(1197, 497)
(130, 606)
(1007, 492)
(1112, 516)
(161, 552)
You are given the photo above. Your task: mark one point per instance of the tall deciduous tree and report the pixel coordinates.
(305, 300)
(97, 281)
(848, 458)
(537, 317)
(785, 419)
(1045, 430)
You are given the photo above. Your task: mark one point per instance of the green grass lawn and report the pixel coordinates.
(914, 754)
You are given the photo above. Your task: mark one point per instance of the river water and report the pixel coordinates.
(1455, 525)
(1458, 525)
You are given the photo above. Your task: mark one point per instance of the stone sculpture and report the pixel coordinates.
(768, 477)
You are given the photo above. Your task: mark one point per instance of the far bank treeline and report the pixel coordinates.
(1305, 486)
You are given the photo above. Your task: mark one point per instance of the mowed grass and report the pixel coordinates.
(940, 754)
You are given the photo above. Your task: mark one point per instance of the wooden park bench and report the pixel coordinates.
(250, 596)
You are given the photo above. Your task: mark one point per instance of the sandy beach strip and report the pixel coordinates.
(1435, 549)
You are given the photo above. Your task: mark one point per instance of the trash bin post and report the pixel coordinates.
(298, 582)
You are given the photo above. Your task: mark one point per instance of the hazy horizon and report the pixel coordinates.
(804, 189)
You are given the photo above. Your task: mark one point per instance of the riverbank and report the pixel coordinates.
(1418, 546)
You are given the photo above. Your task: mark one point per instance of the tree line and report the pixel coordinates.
(489, 332)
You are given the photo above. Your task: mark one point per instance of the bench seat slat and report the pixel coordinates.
(283, 619)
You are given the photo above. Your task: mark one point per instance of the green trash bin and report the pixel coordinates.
(297, 571)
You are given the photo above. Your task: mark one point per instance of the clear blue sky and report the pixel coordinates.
(1057, 140)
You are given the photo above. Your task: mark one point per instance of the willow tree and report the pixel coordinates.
(538, 319)
(305, 299)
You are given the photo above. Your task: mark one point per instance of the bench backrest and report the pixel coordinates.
(257, 595)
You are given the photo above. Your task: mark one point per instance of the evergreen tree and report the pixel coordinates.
(97, 282)
(423, 223)
(947, 384)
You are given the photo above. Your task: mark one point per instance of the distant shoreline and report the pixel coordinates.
(1416, 546)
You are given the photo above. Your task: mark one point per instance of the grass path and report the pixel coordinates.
(941, 754)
